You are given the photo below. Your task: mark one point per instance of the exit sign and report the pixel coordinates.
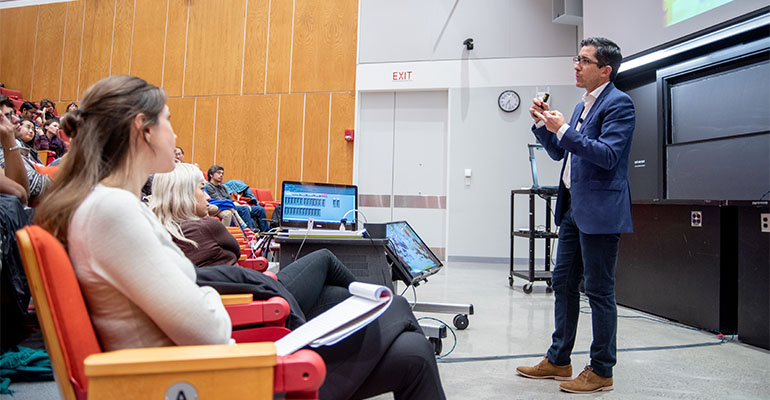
(399, 76)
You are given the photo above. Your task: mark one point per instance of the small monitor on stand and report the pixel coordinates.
(413, 260)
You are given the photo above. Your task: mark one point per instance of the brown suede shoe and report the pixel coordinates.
(587, 382)
(546, 370)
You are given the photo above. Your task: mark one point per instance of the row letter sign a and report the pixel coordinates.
(401, 76)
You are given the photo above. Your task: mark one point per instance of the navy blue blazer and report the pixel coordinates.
(599, 189)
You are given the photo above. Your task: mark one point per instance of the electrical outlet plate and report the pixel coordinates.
(696, 219)
(764, 220)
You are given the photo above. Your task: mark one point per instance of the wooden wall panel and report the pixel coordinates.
(149, 33)
(246, 138)
(50, 32)
(324, 55)
(214, 47)
(17, 47)
(279, 50)
(316, 143)
(204, 140)
(290, 140)
(121, 37)
(176, 34)
(183, 121)
(97, 42)
(340, 151)
(73, 32)
(256, 47)
(298, 57)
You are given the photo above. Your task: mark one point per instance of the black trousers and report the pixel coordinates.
(390, 354)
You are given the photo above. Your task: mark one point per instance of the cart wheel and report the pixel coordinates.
(548, 282)
(548, 289)
(510, 281)
(437, 346)
(527, 288)
(461, 321)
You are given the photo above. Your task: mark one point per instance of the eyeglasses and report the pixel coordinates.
(583, 61)
(9, 115)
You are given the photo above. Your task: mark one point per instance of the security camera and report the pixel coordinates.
(468, 43)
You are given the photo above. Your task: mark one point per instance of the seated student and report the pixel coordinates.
(34, 182)
(28, 110)
(47, 110)
(25, 135)
(255, 217)
(150, 298)
(50, 140)
(179, 154)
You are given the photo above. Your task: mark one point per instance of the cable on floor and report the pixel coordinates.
(452, 331)
(540, 355)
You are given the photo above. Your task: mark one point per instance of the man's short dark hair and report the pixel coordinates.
(214, 169)
(607, 53)
(5, 101)
(27, 105)
(46, 102)
(180, 149)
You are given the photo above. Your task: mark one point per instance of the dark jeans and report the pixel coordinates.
(390, 354)
(593, 258)
(254, 217)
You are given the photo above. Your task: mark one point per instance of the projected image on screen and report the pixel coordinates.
(679, 10)
(409, 248)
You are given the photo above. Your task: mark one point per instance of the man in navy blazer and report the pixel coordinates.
(592, 209)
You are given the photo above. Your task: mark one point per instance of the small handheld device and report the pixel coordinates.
(546, 96)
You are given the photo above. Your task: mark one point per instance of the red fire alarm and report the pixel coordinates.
(349, 134)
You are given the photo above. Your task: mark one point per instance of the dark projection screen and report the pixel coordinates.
(718, 139)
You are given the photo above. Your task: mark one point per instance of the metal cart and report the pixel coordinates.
(547, 194)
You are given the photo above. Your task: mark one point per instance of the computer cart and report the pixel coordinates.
(532, 233)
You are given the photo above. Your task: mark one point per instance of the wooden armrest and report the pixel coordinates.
(242, 298)
(214, 371)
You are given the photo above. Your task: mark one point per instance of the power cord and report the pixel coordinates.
(452, 331)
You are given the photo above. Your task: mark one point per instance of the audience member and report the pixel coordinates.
(71, 107)
(25, 133)
(11, 161)
(254, 216)
(359, 366)
(15, 159)
(49, 140)
(47, 110)
(28, 110)
(150, 298)
(179, 154)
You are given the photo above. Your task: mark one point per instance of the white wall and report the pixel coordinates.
(408, 30)
(493, 144)
(516, 47)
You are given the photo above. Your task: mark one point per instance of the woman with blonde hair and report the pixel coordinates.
(181, 204)
(360, 366)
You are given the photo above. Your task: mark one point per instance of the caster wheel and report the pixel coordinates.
(548, 289)
(548, 282)
(510, 281)
(437, 346)
(527, 288)
(461, 321)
